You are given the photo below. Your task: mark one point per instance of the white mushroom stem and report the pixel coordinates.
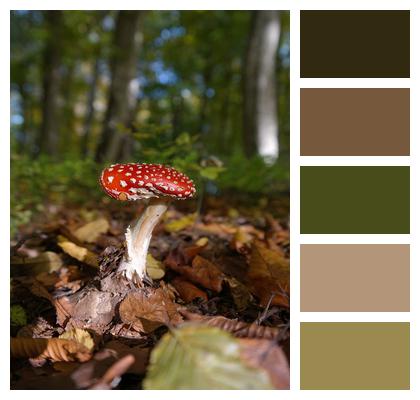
(138, 239)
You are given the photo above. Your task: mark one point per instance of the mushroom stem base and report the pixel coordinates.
(138, 240)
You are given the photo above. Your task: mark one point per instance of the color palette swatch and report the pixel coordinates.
(355, 355)
(355, 44)
(355, 122)
(355, 199)
(355, 277)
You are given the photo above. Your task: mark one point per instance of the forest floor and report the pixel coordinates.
(225, 268)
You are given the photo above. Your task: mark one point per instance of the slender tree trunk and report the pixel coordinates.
(123, 90)
(49, 137)
(261, 127)
(90, 107)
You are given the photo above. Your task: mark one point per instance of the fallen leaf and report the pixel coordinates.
(145, 311)
(210, 359)
(268, 275)
(238, 328)
(92, 230)
(80, 336)
(79, 253)
(187, 290)
(240, 293)
(267, 355)
(241, 240)
(202, 271)
(181, 223)
(47, 261)
(49, 349)
(141, 355)
(155, 269)
(202, 242)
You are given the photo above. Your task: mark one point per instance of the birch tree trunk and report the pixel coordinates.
(261, 126)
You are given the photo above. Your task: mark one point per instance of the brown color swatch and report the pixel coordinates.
(355, 122)
(355, 355)
(355, 277)
(355, 44)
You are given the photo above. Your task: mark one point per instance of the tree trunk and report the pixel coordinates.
(90, 107)
(49, 137)
(123, 90)
(260, 97)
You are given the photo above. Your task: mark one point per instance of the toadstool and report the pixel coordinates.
(156, 183)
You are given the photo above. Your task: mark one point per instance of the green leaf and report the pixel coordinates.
(211, 172)
(18, 316)
(201, 357)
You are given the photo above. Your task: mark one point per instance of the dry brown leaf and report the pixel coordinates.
(141, 355)
(238, 328)
(49, 349)
(240, 293)
(266, 354)
(187, 290)
(146, 311)
(92, 230)
(225, 231)
(47, 261)
(202, 272)
(79, 253)
(268, 275)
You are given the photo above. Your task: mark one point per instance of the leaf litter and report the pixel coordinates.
(218, 305)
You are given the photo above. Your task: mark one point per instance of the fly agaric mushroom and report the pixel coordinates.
(158, 184)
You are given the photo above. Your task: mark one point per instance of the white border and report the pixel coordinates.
(294, 6)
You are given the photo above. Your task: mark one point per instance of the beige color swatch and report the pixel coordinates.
(355, 355)
(355, 277)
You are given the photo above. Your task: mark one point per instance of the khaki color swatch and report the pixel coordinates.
(355, 122)
(354, 277)
(355, 355)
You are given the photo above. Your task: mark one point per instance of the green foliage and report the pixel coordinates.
(255, 175)
(210, 359)
(17, 316)
(158, 145)
(35, 182)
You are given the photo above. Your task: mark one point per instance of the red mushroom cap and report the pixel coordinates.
(141, 181)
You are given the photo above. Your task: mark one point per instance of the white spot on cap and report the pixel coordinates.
(123, 183)
(110, 179)
(120, 170)
(132, 180)
(141, 183)
(110, 169)
(128, 174)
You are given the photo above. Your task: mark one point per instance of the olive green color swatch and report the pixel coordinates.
(355, 277)
(355, 122)
(361, 199)
(355, 44)
(355, 356)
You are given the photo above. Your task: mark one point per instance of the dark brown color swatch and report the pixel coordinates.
(355, 122)
(355, 44)
(355, 277)
(360, 199)
(355, 355)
